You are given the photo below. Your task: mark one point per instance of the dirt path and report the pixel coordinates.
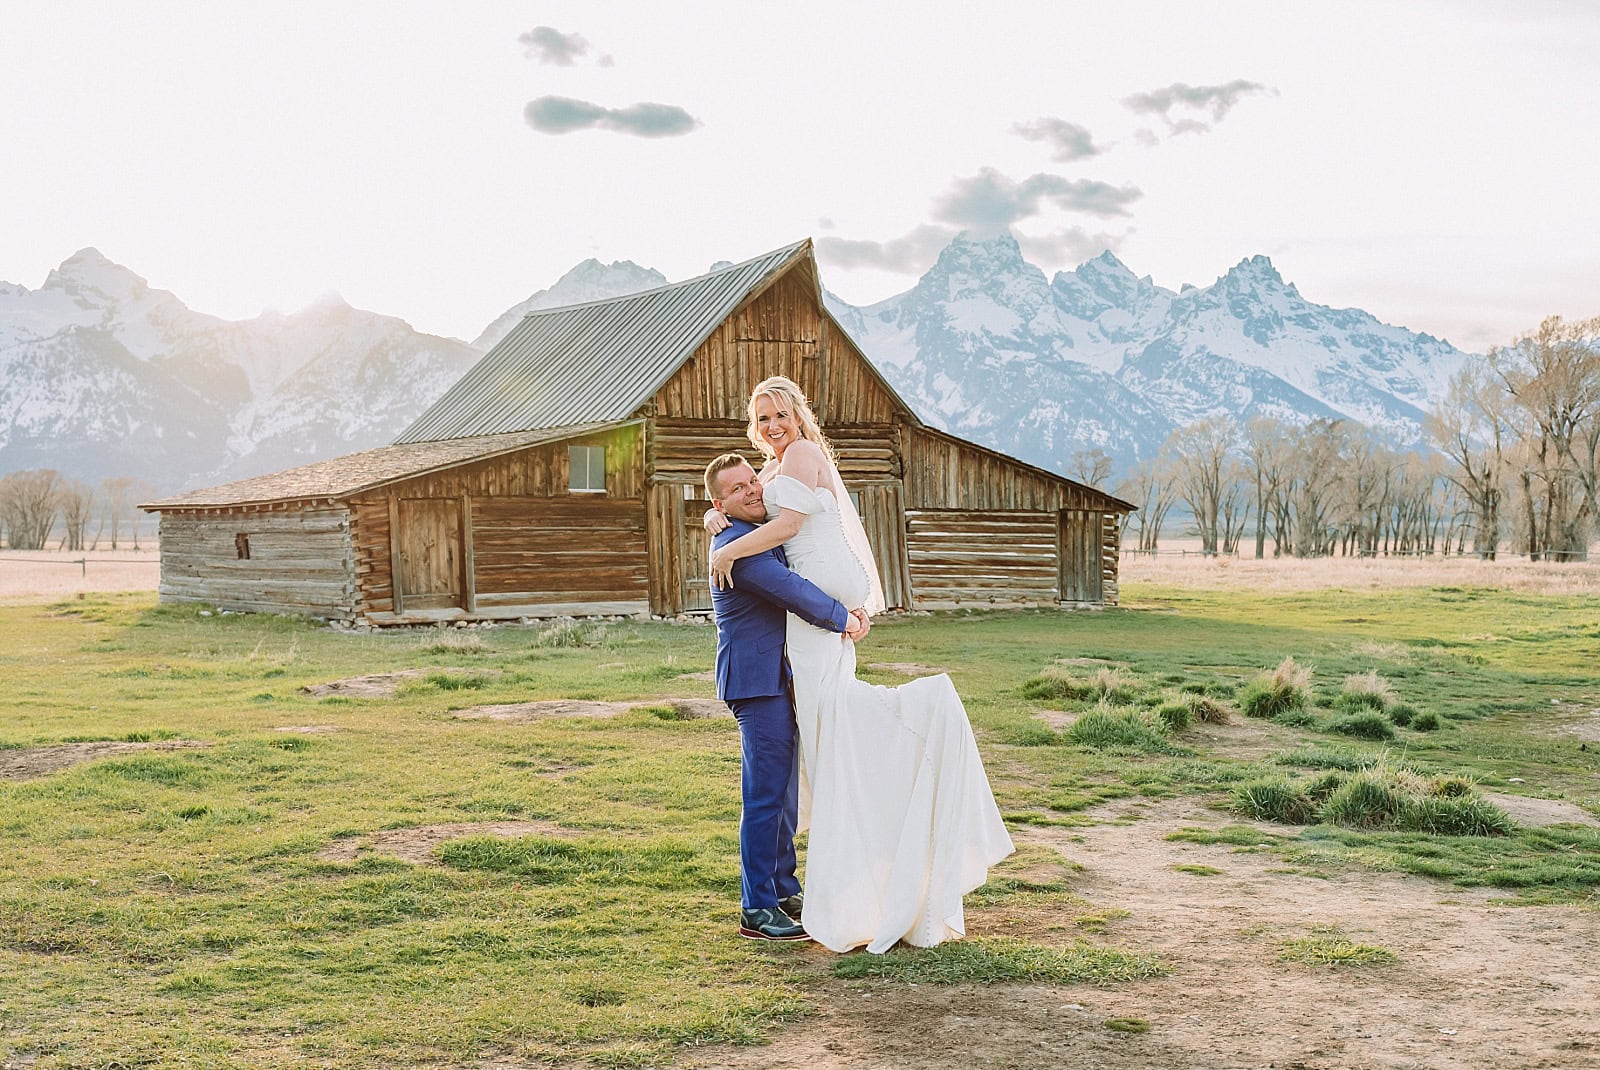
(1475, 984)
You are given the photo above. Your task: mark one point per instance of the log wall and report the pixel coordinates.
(959, 558)
(531, 543)
(300, 559)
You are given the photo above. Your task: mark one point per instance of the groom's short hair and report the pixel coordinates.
(714, 472)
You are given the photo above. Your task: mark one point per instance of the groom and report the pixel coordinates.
(753, 679)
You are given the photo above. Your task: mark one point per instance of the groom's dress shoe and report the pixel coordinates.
(769, 923)
(793, 905)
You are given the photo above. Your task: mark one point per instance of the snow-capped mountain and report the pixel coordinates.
(589, 281)
(100, 374)
(1099, 357)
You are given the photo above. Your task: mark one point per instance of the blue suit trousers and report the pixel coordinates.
(770, 786)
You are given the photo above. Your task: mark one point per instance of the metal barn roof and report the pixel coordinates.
(341, 477)
(597, 361)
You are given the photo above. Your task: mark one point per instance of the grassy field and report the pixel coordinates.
(180, 907)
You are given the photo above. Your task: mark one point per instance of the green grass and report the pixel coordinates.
(1330, 947)
(169, 907)
(994, 960)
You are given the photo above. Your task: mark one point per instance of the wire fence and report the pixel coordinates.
(1372, 555)
(83, 563)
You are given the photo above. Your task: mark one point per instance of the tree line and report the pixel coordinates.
(1515, 464)
(39, 505)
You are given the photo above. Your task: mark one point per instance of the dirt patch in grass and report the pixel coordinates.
(906, 668)
(1057, 719)
(709, 676)
(383, 684)
(1583, 723)
(417, 844)
(26, 763)
(1541, 813)
(1250, 739)
(684, 709)
(1474, 985)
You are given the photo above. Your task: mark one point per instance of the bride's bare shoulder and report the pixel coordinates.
(805, 461)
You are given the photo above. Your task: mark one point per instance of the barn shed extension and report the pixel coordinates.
(561, 475)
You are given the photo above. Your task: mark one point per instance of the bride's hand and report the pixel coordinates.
(722, 568)
(714, 522)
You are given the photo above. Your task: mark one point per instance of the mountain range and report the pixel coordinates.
(101, 374)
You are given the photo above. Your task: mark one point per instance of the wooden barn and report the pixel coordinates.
(562, 475)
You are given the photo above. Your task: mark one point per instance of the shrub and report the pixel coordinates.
(1366, 801)
(565, 632)
(1276, 799)
(1288, 687)
(1054, 682)
(1402, 713)
(1364, 726)
(1032, 734)
(1451, 787)
(1426, 722)
(1365, 690)
(1207, 709)
(1325, 785)
(1174, 716)
(1106, 728)
(1468, 815)
(1296, 719)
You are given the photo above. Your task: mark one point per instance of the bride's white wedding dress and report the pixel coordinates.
(902, 820)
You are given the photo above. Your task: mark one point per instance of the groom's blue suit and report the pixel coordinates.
(753, 679)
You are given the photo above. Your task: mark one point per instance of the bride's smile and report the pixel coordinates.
(777, 425)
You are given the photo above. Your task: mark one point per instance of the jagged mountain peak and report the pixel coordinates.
(589, 280)
(89, 276)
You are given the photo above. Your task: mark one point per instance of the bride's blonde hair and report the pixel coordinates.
(786, 395)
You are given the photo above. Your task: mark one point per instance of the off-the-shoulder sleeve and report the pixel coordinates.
(787, 492)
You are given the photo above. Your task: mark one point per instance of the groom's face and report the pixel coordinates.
(741, 494)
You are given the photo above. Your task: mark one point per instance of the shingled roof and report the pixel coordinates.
(597, 361)
(341, 477)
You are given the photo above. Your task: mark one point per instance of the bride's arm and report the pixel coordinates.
(774, 532)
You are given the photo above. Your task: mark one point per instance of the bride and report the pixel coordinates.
(902, 820)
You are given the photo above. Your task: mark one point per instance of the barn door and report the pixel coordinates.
(884, 517)
(429, 545)
(1080, 556)
(694, 548)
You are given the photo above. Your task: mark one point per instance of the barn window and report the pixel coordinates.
(586, 466)
(241, 546)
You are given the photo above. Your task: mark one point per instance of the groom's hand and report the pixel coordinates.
(860, 625)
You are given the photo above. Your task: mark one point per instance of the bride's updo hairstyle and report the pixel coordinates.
(786, 395)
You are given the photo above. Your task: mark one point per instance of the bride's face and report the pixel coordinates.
(775, 424)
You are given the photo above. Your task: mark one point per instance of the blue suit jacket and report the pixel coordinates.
(751, 617)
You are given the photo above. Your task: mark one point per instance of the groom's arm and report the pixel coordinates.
(766, 577)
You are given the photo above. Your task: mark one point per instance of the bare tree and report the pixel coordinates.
(1470, 426)
(1092, 466)
(1149, 486)
(1268, 450)
(1199, 454)
(1320, 455)
(116, 499)
(75, 501)
(1554, 376)
(28, 503)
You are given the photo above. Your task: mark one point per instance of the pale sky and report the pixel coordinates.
(1434, 163)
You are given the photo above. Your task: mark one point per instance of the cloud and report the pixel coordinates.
(908, 254)
(1071, 246)
(549, 45)
(990, 202)
(1179, 102)
(563, 115)
(1068, 141)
